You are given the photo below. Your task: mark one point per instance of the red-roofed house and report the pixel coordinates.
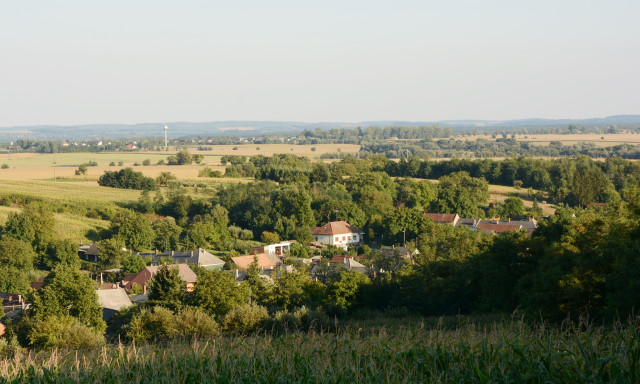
(338, 233)
(498, 228)
(443, 218)
(142, 279)
(265, 261)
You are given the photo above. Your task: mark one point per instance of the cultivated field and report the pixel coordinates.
(602, 140)
(36, 166)
(408, 350)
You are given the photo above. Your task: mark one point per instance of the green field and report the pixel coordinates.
(402, 351)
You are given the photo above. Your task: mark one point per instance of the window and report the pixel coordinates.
(355, 237)
(343, 238)
(337, 238)
(316, 238)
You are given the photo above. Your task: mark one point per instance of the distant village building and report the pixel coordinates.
(89, 252)
(142, 279)
(265, 261)
(278, 249)
(112, 301)
(338, 233)
(199, 257)
(443, 218)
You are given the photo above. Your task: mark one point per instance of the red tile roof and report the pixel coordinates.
(499, 227)
(335, 228)
(264, 261)
(142, 278)
(441, 217)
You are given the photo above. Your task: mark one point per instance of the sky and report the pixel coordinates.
(83, 62)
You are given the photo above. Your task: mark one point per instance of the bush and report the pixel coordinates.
(146, 162)
(64, 332)
(112, 164)
(5, 166)
(208, 172)
(161, 323)
(302, 318)
(152, 323)
(127, 179)
(244, 319)
(194, 322)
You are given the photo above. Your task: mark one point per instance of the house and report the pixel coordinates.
(112, 301)
(198, 257)
(468, 223)
(264, 260)
(498, 228)
(324, 271)
(443, 218)
(278, 249)
(142, 279)
(89, 252)
(404, 252)
(338, 233)
(12, 302)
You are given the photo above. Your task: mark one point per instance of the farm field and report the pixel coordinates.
(38, 166)
(271, 149)
(408, 350)
(602, 140)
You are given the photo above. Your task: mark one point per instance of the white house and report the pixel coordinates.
(338, 233)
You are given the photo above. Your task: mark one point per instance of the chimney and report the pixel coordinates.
(144, 288)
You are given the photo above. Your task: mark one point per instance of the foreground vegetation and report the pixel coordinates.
(409, 351)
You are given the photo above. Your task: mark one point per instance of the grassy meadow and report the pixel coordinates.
(408, 350)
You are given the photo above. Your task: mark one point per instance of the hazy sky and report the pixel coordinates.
(74, 62)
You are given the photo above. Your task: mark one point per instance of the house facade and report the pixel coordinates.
(338, 233)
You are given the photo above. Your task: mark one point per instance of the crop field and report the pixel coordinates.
(601, 140)
(404, 351)
(39, 166)
(271, 149)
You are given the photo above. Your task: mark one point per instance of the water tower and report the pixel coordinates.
(165, 136)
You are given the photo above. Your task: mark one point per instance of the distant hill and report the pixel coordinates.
(261, 128)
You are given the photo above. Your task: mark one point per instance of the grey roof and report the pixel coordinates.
(112, 300)
(199, 257)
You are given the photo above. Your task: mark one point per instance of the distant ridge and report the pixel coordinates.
(261, 128)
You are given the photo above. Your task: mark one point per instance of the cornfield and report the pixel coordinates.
(511, 351)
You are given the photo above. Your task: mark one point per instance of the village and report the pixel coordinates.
(117, 290)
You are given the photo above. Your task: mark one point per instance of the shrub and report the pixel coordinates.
(301, 318)
(5, 166)
(146, 162)
(120, 163)
(64, 332)
(150, 323)
(194, 322)
(244, 319)
(111, 164)
(208, 172)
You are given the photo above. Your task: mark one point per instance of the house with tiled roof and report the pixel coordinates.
(338, 233)
(199, 257)
(443, 218)
(264, 260)
(143, 277)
